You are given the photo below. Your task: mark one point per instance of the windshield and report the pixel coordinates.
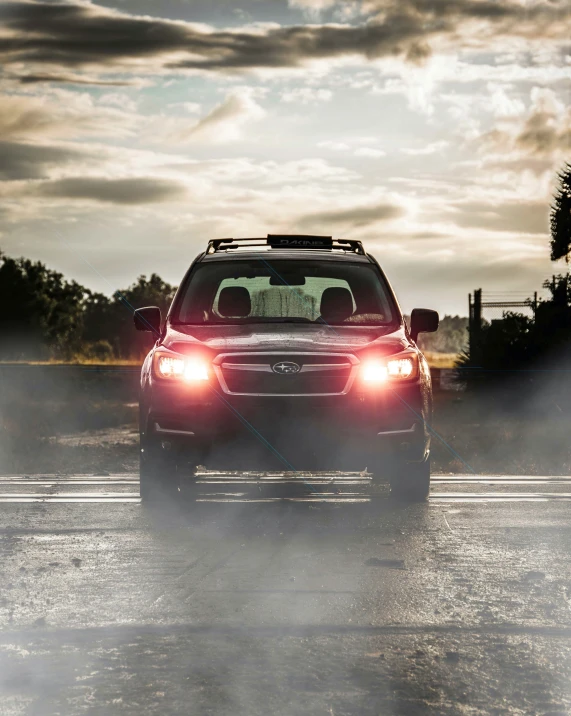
(258, 290)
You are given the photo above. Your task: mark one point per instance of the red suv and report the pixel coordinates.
(294, 345)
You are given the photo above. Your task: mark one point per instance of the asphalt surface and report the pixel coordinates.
(265, 598)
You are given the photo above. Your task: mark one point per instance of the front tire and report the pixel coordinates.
(410, 482)
(158, 473)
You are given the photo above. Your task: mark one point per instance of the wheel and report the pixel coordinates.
(411, 481)
(158, 473)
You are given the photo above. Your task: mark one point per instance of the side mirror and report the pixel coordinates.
(423, 320)
(148, 319)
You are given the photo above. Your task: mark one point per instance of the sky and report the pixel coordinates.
(132, 131)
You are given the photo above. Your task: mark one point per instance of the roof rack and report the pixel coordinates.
(287, 241)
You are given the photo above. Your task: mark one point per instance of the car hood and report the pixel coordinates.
(286, 338)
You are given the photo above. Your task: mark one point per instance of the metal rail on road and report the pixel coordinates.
(256, 488)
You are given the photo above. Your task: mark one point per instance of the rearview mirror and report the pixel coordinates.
(287, 279)
(148, 319)
(423, 320)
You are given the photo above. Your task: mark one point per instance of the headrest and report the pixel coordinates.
(336, 304)
(234, 301)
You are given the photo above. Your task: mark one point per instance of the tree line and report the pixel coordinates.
(44, 316)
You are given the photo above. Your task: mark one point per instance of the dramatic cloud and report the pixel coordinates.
(62, 114)
(30, 161)
(139, 190)
(355, 216)
(429, 129)
(544, 133)
(70, 80)
(545, 130)
(84, 35)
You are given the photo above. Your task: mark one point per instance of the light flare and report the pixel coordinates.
(195, 371)
(170, 367)
(401, 368)
(374, 372)
(380, 371)
(191, 370)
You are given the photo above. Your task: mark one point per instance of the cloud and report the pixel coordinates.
(369, 153)
(431, 148)
(531, 217)
(334, 145)
(30, 161)
(63, 114)
(502, 104)
(306, 95)
(356, 216)
(32, 79)
(78, 35)
(226, 122)
(313, 7)
(349, 145)
(187, 107)
(118, 99)
(134, 190)
(545, 131)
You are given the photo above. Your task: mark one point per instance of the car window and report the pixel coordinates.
(283, 301)
(279, 290)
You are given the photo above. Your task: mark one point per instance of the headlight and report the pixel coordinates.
(374, 372)
(189, 370)
(401, 368)
(379, 370)
(170, 367)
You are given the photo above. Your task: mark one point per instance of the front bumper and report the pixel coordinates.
(356, 424)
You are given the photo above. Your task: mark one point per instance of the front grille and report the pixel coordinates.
(285, 373)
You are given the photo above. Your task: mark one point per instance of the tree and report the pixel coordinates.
(40, 312)
(154, 291)
(513, 348)
(451, 336)
(42, 315)
(560, 217)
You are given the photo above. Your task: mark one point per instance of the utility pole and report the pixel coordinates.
(475, 323)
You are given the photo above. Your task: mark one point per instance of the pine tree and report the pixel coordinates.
(560, 217)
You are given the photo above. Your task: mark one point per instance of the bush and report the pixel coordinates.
(101, 351)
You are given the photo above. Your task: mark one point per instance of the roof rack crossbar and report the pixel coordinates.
(296, 242)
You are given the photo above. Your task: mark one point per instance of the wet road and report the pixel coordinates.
(324, 601)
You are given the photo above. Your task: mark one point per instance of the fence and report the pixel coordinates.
(492, 306)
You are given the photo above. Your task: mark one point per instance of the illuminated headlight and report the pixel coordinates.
(401, 368)
(190, 370)
(195, 370)
(381, 371)
(170, 367)
(374, 372)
